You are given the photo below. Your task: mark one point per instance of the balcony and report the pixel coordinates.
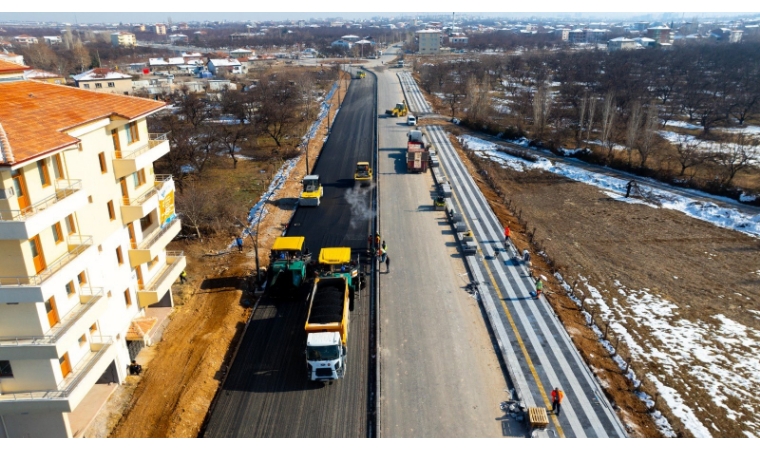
(36, 288)
(68, 394)
(152, 245)
(24, 224)
(132, 160)
(137, 208)
(162, 282)
(76, 322)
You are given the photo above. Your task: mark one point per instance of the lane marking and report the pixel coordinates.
(524, 349)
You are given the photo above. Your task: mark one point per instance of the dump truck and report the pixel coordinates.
(363, 174)
(417, 152)
(287, 266)
(399, 110)
(312, 191)
(327, 329)
(336, 262)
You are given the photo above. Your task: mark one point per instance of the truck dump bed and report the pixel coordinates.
(328, 306)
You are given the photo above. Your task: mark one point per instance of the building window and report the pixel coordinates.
(44, 175)
(82, 340)
(139, 178)
(115, 137)
(5, 369)
(57, 167)
(127, 298)
(146, 222)
(82, 278)
(93, 328)
(102, 161)
(70, 290)
(119, 256)
(86, 86)
(132, 135)
(57, 233)
(111, 84)
(98, 85)
(111, 211)
(152, 262)
(70, 226)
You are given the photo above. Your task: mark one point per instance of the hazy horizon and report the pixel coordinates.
(138, 17)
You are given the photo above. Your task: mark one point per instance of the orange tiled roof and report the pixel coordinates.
(35, 115)
(9, 66)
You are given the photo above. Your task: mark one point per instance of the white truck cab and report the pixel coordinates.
(411, 120)
(325, 356)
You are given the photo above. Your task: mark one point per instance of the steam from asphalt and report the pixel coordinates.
(361, 209)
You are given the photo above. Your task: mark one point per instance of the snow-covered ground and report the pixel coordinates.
(715, 355)
(615, 187)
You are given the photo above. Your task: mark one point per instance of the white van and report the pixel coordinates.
(411, 120)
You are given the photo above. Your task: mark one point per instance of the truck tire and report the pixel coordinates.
(351, 295)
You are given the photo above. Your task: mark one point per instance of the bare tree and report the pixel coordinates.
(278, 98)
(608, 122)
(478, 96)
(81, 56)
(688, 153)
(591, 113)
(648, 139)
(541, 107)
(632, 133)
(735, 157)
(582, 111)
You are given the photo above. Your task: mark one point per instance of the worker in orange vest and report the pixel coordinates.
(557, 396)
(507, 233)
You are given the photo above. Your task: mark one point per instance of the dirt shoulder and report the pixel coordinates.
(173, 396)
(703, 270)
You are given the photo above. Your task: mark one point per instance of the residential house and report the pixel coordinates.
(159, 28)
(102, 79)
(225, 66)
(52, 40)
(123, 39)
(84, 225)
(24, 40)
(241, 53)
(458, 38)
(44, 76)
(340, 43)
(10, 71)
(138, 28)
(12, 57)
(660, 34)
(178, 38)
(621, 43)
(429, 42)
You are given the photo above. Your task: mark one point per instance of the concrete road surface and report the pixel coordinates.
(439, 373)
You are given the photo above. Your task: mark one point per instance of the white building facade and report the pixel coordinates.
(84, 225)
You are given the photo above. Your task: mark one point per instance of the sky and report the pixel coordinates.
(146, 11)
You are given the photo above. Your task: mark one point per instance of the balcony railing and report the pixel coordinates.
(149, 241)
(161, 277)
(64, 325)
(77, 246)
(161, 178)
(72, 381)
(154, 139)
(63, 189)
(140, 199)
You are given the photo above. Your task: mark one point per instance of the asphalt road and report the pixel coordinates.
(439, 372)
(266, 393)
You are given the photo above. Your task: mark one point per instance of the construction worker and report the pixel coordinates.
(507, 234)
(383, 251)
(557, 396)
(182, 277)
(377, 240)
(539, 286)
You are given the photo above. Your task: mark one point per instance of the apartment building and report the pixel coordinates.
(429, 42)
(103, 79)
(123, 39)
(84, 225)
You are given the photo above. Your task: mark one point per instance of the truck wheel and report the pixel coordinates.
(351, 295)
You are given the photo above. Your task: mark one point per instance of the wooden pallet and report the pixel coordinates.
(538, 418)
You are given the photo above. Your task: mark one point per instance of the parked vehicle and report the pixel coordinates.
(411, 120)
(417, 152)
